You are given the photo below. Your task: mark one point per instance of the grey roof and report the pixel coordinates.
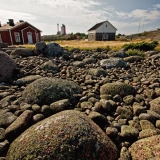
(6, 27)
(98, 25)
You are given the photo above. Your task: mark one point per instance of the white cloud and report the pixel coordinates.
(145, 14)
(5, 14)
(157, 5)
(140, 14)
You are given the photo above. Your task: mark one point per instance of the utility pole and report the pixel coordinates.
(139, 26)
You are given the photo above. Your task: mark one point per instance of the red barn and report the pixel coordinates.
(19, 33)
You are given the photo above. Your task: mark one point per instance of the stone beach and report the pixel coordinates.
(78, 105)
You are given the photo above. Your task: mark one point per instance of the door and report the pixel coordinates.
(37, 37)
(0, 39)
(30, 37)
(105, 36)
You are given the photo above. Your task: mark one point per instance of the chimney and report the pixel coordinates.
(11, 22)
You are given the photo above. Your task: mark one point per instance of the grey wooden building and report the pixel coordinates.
(102, 31)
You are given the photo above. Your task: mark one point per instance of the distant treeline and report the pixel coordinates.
(71, 36)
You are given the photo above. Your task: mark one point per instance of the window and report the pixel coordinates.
(0, 39)
(17, 37)
(37, 37)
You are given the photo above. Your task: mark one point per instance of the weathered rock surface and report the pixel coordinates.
(122, 89)
(48, 90)
(113, 62)
(40, 46)
(110, 107)
(68, 134)
(53, 49)
(147, 148)
(7, 66)
(19, 125)
(155, 105)
(22, 52)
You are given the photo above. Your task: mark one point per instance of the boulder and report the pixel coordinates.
(27, 79)
(132, 59)
(155, 105)
(97, 72)
(113, 62)
(89, 60)
(119, 88)
(66, 135)
(146, 148)
(3, 148)
(120, 54)
(78, 64)
(19, 125)
(60, 105)
(24, 52)
(7, 66)
(49, 65)
(3, 45)
(53, 49)
(48, 90)
(40, 46)
(6, 118)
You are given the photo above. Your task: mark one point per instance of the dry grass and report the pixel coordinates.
(88, 45)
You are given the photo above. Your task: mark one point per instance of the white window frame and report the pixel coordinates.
(0, 39)
(17, 36)
(37, 37)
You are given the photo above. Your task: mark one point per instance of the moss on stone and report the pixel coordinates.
(119, 88)
(67, 135)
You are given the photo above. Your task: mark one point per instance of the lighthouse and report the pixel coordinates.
(63, 29)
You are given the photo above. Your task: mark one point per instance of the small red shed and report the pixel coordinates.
(19, 33)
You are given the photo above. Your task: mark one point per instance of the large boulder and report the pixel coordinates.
(40, 46)
(7, 66)
(113, 62)
(24, 52)
(66, 135)
(119, 88)
(146, 148)
(48, 90)
(53, 49)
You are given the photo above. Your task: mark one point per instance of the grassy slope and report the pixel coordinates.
(116, 45)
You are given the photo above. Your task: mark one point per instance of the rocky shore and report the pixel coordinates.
(78, 105)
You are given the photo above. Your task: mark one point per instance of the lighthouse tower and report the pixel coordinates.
(63, 29)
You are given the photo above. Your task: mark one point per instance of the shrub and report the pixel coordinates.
(142, 46)
(135, 52)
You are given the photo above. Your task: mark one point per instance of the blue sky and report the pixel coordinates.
(80, 15)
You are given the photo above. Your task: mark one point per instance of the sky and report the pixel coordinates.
(128, 16)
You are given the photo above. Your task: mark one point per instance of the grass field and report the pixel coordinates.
(88, 45)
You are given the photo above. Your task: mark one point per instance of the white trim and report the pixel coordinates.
(10, 36)
(28, 27)
(0, 38)
(22, 36)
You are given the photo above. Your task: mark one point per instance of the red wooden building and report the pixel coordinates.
(19, 33)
